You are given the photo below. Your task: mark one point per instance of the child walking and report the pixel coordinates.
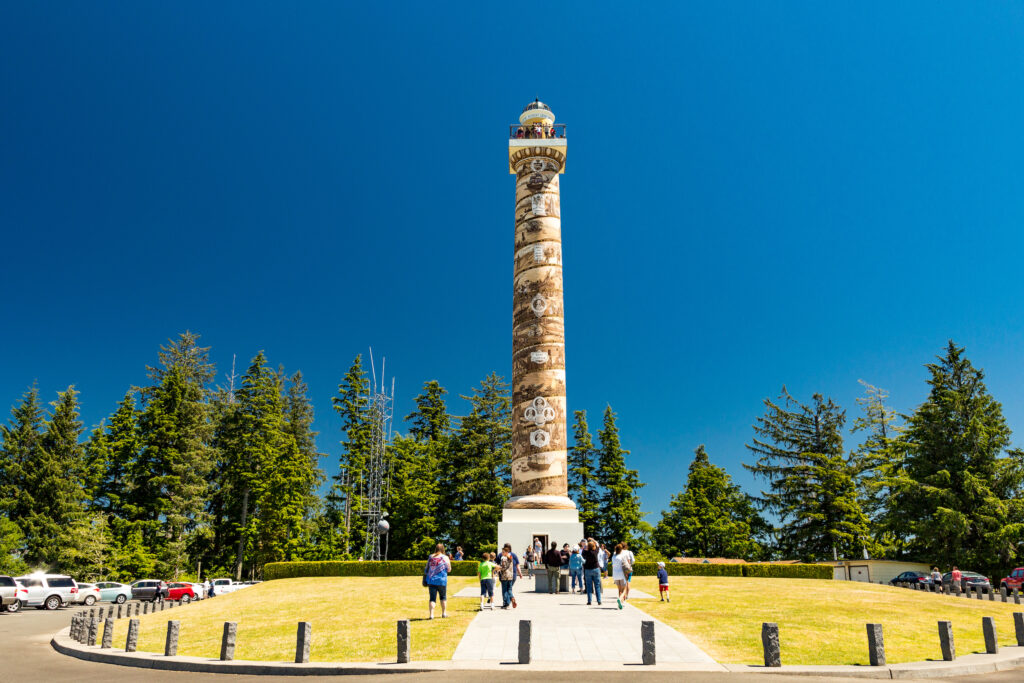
(485, 571)
(663, 583)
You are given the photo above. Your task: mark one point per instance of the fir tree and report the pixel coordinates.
(620, 515)
(347, 498)
(877, 461)
(711, 517)
(582, 478)
(111, 454)
(813, 486)
(21, 447)
(958, 495)
(175, 457)
(430, 420)
(478, 469)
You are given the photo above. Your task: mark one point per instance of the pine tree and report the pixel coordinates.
(711, 517)
(298, 413)
(430, 420)
(348, 493)
(877, 461)
(175, 457)
(478, 468)
(958, 496)
(582, 478)
(21, 447)
(813, 486)
(620, 515)
(111, 454)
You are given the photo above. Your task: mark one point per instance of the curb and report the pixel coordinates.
(1009, 658)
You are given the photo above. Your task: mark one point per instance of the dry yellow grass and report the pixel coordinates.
(820, 622)
(353, 620)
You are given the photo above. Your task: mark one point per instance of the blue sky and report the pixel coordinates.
(755, 195)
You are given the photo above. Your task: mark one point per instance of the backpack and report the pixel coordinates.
(627, 566)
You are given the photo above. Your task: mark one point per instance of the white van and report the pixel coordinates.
(49, 591)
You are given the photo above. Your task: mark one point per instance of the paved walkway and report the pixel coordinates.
(565, 629)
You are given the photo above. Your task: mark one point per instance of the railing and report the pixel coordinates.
(554, 131)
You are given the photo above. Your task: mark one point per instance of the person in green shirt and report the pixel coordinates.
(485, 570)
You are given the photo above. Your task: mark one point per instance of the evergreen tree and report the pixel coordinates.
(111, 454)
(813, 486)
(175, 457)
(12, 547)
(430, 420)
(711, 517)
(582, 478)
(478, 468)
(298, 413)
(620, 515)
(348, 493)
(22, 446)
(877, 461)
(958, 495)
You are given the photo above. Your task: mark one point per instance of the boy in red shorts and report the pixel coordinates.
(663, 582)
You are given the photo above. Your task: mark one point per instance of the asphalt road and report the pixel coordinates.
(26, 655)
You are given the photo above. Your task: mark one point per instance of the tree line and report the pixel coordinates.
(185, 477)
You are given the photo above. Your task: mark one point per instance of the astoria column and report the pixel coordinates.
(536, 156)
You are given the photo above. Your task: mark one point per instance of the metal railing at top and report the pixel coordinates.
(552, 132)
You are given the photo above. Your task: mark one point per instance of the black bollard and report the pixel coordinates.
(770, 643)
(946, 641)
(988, 627)
(647, 641)
(108, 633)
(171, 644)
(133, 636)
(525, 641)
(227, 641)
(302, 642)
(404, 646)
(1018, 627)
(876, 645)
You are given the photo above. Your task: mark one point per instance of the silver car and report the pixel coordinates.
(9, 594)
(49, 591)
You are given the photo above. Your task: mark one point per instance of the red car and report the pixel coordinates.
(1014, 580)
(181, 591)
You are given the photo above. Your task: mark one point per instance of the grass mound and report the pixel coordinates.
(820, 622)
(353, 620)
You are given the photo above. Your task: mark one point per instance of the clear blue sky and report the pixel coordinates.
(756, 195)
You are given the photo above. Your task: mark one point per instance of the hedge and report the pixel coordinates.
(291, 570)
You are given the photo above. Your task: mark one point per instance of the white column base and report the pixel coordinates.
(519, 526)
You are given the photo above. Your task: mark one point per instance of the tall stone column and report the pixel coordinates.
(539, 431)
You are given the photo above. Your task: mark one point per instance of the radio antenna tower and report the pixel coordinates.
(381, 411)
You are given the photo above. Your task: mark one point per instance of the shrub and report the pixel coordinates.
(680, 569)
(788, 571)
(292, 570)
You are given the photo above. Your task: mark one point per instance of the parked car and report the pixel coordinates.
(181, 591)
(225, 586)
(88, 594)
(112, 591)
(22, 598)
(9, 594)
(149, 589)
(199, 589)
(49, 591)
(972, 580)
(1014, 580)
(911, 577)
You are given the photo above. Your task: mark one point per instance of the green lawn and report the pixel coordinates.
(820, 622)
(353, 620)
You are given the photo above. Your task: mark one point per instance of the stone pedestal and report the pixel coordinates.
(519, 526)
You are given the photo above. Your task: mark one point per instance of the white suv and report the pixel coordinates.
(49, 591)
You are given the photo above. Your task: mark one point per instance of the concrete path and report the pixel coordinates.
(565, 629)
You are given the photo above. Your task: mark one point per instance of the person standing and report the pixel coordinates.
(538, 550)
(592, 571)
(553, 560)
(605, 556)
(436, 578)
(506, 573)
(936, 577)
(663, 583)
(618, 573)
(956, 578)
(576, 570)
(485, 571)
(458, 553)
(627, 565)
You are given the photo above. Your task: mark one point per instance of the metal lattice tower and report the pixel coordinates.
(380, 408)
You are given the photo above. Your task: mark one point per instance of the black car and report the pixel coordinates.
(923, 578)
(972, 580)
(149, 589)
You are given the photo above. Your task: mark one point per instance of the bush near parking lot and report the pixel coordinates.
(293, 570)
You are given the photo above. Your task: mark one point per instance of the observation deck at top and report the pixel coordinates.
(536, 128)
